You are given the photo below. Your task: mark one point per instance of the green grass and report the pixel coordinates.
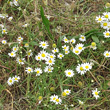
(75, 19)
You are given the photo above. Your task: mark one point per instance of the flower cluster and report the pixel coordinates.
(104, 21)
(54, 98)
(12, 80)
(83, 68)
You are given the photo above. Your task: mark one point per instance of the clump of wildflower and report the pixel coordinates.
(10, 18)
(73, 41)
(60, 55)
(95, 93)
(66, 92)
(13, 79)
(83, 68)
(65, 40)
(20, 39)
(29, 53)
(54, 98)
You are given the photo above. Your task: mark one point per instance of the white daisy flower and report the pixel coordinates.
(11, 3)
(29, 53)
(87, 66)
(95, 93)
(58, 101)
(53, 98)
(19, 39)
(99, 18)
(43, 55)
(43, 44)
(76, 51)
(12, 54)
(15, 49)
(38, 71)
(48, 69)
(29, 70)
(69, 73)
(73, 41)
(104, 24)
(38, 57)
(107, 54)
(65, 40)
(106, 15)
(80, 69)
(65, 47)
(10, 81)
(80, 46)
(26, 45)
(55, 50)
(4, 31)
(16, 78)
(50, 62)
(60, 55)
(4, 42)
(67, 51)
(106, 34)
(10, 18)
(67, 91)
(51, 56)
(20, 61)
(82, 38)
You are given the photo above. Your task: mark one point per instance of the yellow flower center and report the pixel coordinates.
(43, 44)
(79, 48)
(49, 69)
(26, 44)
(81, 68)
(107, 34)
(55, 50)
(51, 56)
(72, 40)
(43, 55)
(14, 48)
(64, 47)
(50, 61)
(60, 55)
(4, 42)
(76, 51)
(96, 93)
(29, 53)
(4, 31)
(29, 69)
(12, 54)
(107, 54)
(104, 24)
(82, 37)
(86, 66)
(57, 100)
(69, 73)
(66, 51)
(38, 72)
(66, 39)
(106, 16)
(63, 94)
(38, 57)
(54, 98)
(67, 91)
(16, 78)
(99, 19)
(93, 44)
(20, 60)
(10, 81)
